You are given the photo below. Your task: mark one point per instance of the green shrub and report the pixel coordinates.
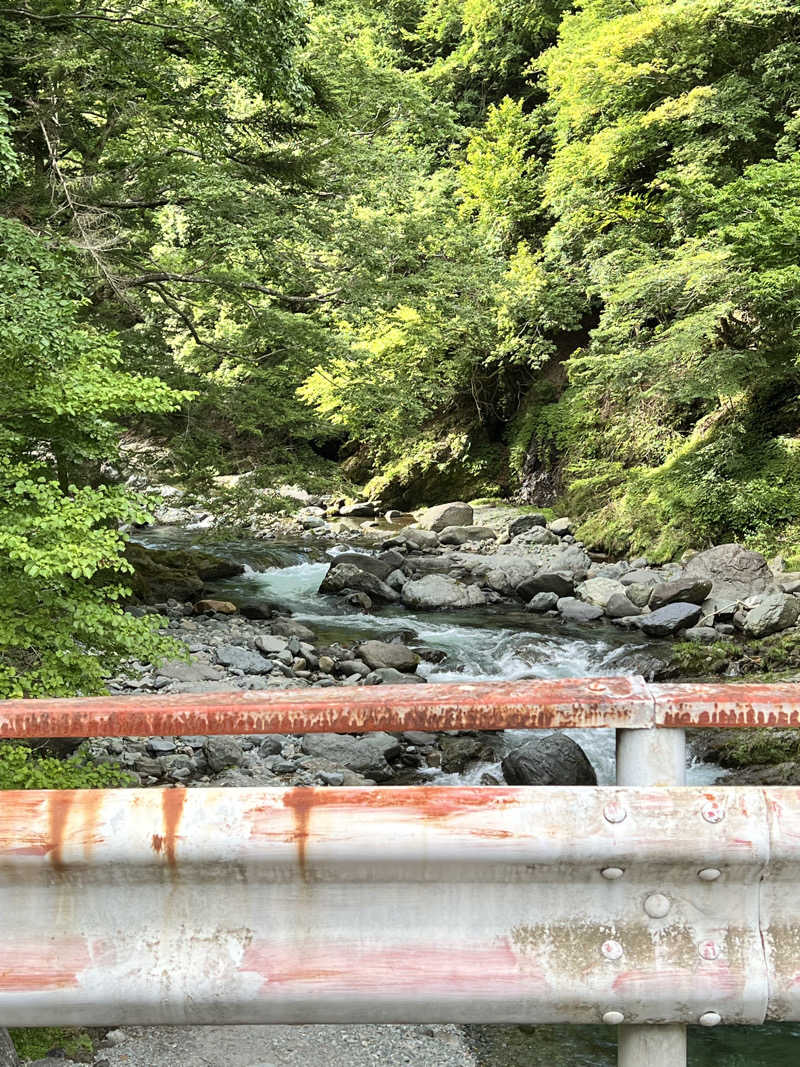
(22, 768)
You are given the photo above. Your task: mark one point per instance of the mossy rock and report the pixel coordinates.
(162, 574)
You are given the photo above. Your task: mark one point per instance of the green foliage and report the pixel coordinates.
(21, 768)
(33, 1043)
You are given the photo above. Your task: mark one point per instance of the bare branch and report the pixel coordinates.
(225, 283)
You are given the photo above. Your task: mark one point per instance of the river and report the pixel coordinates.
(499, 643)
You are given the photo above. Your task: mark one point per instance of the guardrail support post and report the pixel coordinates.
(651, 757)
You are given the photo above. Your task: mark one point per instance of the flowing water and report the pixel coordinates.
(499, 643)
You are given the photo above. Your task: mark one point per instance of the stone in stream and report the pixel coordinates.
(391, 676)
(552, 760)
(638, 593)
(344, 576)
(668, 620)
(363, 509)
(575, 610)
(367, 755)
(560, 582)
(436, 591)
(642, 576)
(380, 568)
(772, 613)
(289, 628)
(561, 526)
(543, 602)
(523, 523)
(619, 606)
(599, 591)
(257, 609)
(687, 589)
(732, 564)
(437, 518)
(377, 654)
(422, 539)
(459, 535)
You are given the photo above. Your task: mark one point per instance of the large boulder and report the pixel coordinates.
(459, 535)
(378, 654)
(363, 509)
(367, 755)
(732, 565)
(417, 538)
(443, 515)
(619, 606)
(372, 564)
(523, 523)
(687, 589)
(772, 612)
(574, 610)
(546, 581)
(436, 591)
(667, 621)
(161, 574)
(345, 576)
(552, 760)
(600, 590)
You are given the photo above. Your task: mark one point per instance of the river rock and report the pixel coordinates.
(638, 593)
(577, 611)
(423, 539)
(442, 515)
(271, 644)
(542, 602)
(772, 613)
(600, 590)
(395, 516)
(391, 676)
(372, 564)
(732, 565)
(704, 634)
(561, 527)
(367, 755)
(177, 671)
(437, 591)
(160, 574)
(619, 606)
(243, 659)
(290, 628)
(344, 576)
(560, 582)
(459, 535)
(377, 654)
(458, 752)
(223, 752)
(688, 589)
(642, 576)
(523, 523)
(571, 558)
(215, 607)
(8, 1054)
(667, 621)
(363, 509)
(552, 760)
(257, 609)
(537, 536)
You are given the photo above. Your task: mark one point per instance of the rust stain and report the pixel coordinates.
(158, 842)
(300, 802)
(172, 802)
(58, 808)
(81, 808)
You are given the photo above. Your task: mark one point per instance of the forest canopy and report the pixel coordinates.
(434, 248)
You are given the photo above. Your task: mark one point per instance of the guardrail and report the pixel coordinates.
(648, 905)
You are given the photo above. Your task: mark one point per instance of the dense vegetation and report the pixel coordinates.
(463, 247)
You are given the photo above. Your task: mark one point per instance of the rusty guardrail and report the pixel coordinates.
(646, 904)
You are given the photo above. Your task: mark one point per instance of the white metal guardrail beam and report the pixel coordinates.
(648, 907)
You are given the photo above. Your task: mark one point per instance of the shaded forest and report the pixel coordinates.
(413, 249)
